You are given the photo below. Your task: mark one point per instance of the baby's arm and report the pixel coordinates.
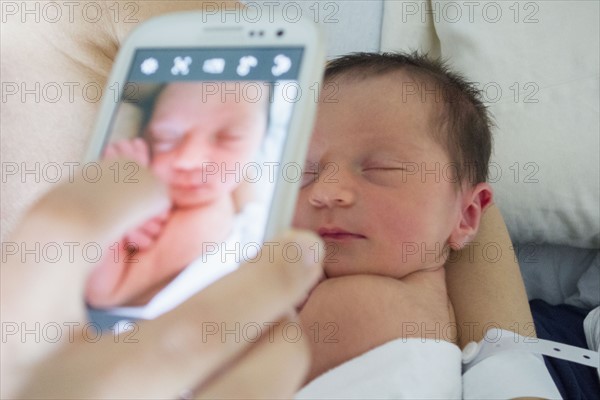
(347, 316)
(112, 282)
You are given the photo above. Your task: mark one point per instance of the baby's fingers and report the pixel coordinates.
(142, 238)
(133, 149)
(148, 233)
(153, 227)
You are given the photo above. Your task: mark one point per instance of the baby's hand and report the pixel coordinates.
(144, 236)
(134, 149)
(113, 282)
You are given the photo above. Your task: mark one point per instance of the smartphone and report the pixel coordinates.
(221, 110)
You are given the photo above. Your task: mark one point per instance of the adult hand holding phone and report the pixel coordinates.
(174, 349)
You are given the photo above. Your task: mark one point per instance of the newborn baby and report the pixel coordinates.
(395, 178)
(194, 134)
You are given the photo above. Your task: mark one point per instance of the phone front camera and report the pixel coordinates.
(280, 33)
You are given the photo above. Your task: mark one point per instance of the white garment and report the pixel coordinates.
(591, 327)
(508, 375)
(429, 369)
(246, 236)
(402, 368)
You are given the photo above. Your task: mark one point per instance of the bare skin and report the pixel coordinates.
(139, 274)
(361, 321)
(357, 313)
(496, 294)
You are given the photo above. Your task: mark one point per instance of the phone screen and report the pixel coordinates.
(211, 124)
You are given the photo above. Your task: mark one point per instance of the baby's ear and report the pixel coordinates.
(475, 201)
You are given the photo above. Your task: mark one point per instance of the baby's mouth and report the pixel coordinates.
(338, 234)
(189, 186)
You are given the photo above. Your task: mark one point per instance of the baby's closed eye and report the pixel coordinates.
(163, 146)
(385, 169)
(385, 173)
(310, 173)
(163, 139)
(229, 136)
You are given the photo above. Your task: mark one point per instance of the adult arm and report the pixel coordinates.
(485, 284)
(486, 287)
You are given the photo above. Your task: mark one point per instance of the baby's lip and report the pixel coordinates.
(335, 233)
(189, 186)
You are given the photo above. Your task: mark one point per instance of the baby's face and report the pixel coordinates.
(380, 201)
(196, 136)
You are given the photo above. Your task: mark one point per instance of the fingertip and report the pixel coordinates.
(300, 253)
(303, 236)
(313, 247)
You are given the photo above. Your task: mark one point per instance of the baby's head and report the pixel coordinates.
(396, 170)
(200, 134)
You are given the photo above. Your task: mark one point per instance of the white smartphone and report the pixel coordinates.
(222, 113)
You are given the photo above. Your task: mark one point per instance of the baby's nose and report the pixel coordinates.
(332, 191)
(193, 153)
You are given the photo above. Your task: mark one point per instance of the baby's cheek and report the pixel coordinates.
(301, 219)
(160, 166)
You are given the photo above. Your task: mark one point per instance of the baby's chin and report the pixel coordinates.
(341, 268)
(191, 204)
(193, 200)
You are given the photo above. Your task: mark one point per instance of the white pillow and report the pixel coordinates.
(539, 64)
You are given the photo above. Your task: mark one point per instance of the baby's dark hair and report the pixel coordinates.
(464, 124)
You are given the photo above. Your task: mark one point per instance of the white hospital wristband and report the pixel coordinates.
(507, 365)
(498, 340)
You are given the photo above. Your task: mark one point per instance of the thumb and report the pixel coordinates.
(99, 208)
(48, 258)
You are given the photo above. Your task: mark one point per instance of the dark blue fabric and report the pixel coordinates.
(564, 324)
